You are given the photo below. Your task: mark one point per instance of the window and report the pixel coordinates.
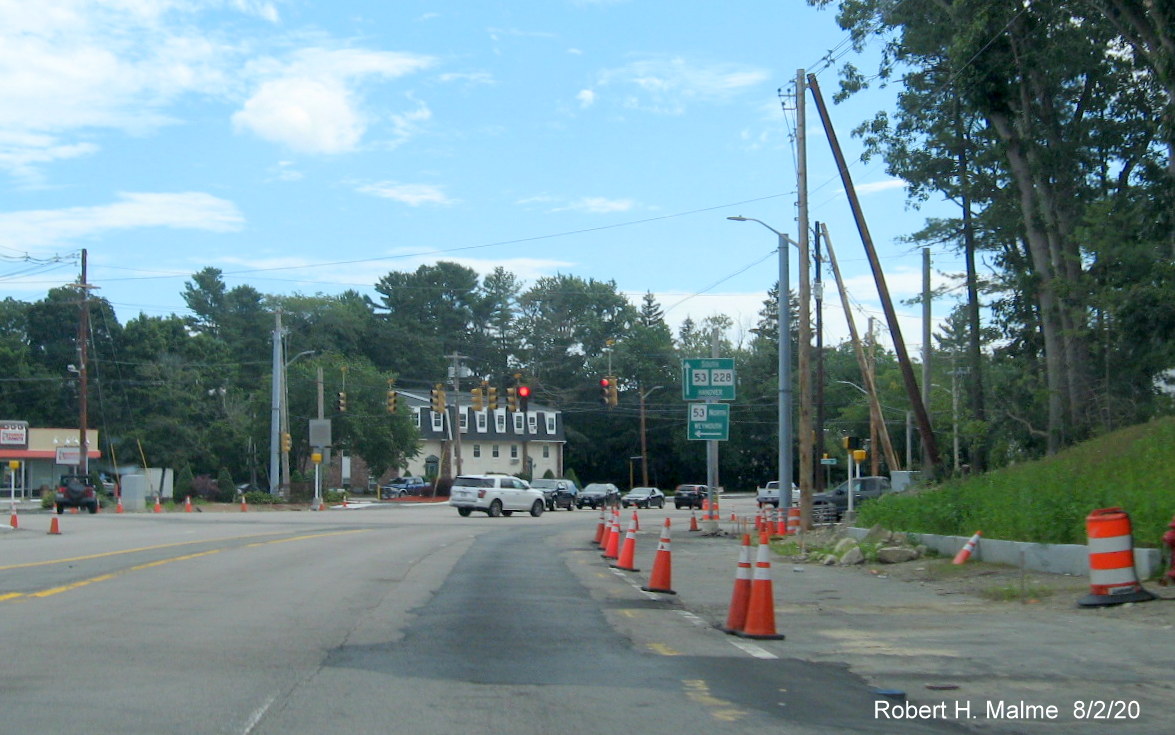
(463, 420)
(438, 421)
(550, 423)
(513, 451)
(518, 427)
(546, 451)
(481, 422)
(500, 420)
(533, 422)
(416, 417)
(476, 450)
(494, 452)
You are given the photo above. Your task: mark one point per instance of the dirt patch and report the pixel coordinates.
(999, 584)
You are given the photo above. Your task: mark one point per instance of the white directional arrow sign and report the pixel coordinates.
(709, 421)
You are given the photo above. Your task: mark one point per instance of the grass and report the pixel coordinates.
(1046, 501)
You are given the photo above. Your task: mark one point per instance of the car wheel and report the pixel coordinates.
(60, 509)
(571, 506)
(93, 508)
(464, 512)
(507, 513)
(495, 509)
(536, 510)
(661, 503)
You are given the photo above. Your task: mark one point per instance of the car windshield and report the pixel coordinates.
(640, 491)
(544, 483)
(474, 482)
(594, 488)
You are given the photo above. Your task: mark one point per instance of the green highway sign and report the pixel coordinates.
(709, 422)
(709, 377)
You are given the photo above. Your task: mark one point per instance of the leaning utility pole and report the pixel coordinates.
(930, 446)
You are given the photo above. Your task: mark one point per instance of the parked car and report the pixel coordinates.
(401, 486)
(75, 491)
(597, 495)
(689, 496)
(495, 495)
(557, 493)
(769, 495)
(644, 497)
(831, 506)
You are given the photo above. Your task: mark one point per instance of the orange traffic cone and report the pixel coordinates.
(118, 508)
(601, 529)
(662, 577)
(12, 521)
(188, 504)
(636, 519)
(54, 527)
(693, 520)
(737, 616)
(75, 509)
(158, 505)
(968, 548)
(793, 520)
(761, 607)
(612, 550)
(627, 554)
(244, 505)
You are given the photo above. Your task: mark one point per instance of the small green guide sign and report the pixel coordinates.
(709, 422)
(707, 377)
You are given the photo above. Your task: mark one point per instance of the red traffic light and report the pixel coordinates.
(603, 382)
(524, 391)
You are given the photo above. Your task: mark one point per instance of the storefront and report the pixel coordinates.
(41, 456)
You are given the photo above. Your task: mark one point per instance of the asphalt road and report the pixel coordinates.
(391, 620)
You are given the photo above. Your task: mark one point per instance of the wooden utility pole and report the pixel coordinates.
(83, 375)
(930, 446)
(805, 297)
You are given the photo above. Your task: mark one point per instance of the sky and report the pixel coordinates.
(306, 146)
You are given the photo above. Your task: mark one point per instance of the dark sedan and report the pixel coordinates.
(644, 497)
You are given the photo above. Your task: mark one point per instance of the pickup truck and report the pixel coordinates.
(770, 495)
(831, 506)
(402, 486)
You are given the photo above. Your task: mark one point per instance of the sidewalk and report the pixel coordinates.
(938, 645)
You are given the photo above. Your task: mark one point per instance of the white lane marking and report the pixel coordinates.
(752, 649)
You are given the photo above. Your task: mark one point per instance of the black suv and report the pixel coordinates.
(557, 493)
(831, 506)
(75, 491)
(689, 496)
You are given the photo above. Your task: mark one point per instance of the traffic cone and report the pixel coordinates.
(188, 504)
(601, 529)
(612, 550)
(158, 505)
(118, 508)
(741, 594)
(693, 520)
(761, 607)
(244, 505)
(636, 519)
(662, 578)
(969, 547)
(75, 510)
(793, 521)
(780, 522)
(54, 526)
(12, 521)
(627, 554)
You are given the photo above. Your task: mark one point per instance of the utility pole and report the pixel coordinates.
(818, 293)
(456, 423)
(805, 296)
(83, 376)
(926, 335)
(895, 330)
(275, 401)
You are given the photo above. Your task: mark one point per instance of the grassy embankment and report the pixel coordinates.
(1046, 501)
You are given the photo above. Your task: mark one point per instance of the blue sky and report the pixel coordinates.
(310, 146)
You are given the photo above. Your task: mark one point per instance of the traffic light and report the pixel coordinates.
(613, 396)
(492, 398)
(341, 402)
(287, 441)
(523, 397)
(851, 442)
(437, 398)
(511, 399)
(392, 401)
(605, 392)
(477, 402)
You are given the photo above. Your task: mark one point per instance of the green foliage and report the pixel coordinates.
(1047, 501)
(260, 497)
(226, 489)
(183, 482)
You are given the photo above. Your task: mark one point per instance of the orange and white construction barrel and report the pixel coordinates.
(1112, 580)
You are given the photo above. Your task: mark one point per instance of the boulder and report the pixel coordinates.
(876, 535)
(896, 554)
(844, 545)
(852, 556)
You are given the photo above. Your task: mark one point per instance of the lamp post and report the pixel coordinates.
(785, 392)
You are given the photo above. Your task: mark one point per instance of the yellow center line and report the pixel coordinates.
(158, 563)
(105, 554)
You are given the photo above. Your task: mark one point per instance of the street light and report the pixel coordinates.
(785, 392)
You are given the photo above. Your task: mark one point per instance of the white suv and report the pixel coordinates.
(495, 495)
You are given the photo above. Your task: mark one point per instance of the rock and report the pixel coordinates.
(852, 556)
(844, 545)
(829, 560)
(876, 535)
(896, 554)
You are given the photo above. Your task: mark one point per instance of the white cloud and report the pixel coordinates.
(876, 186)
(48, 228)
(597, 205)
(669, 84)
(586, 98)
(311, 103)
(411, 194)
